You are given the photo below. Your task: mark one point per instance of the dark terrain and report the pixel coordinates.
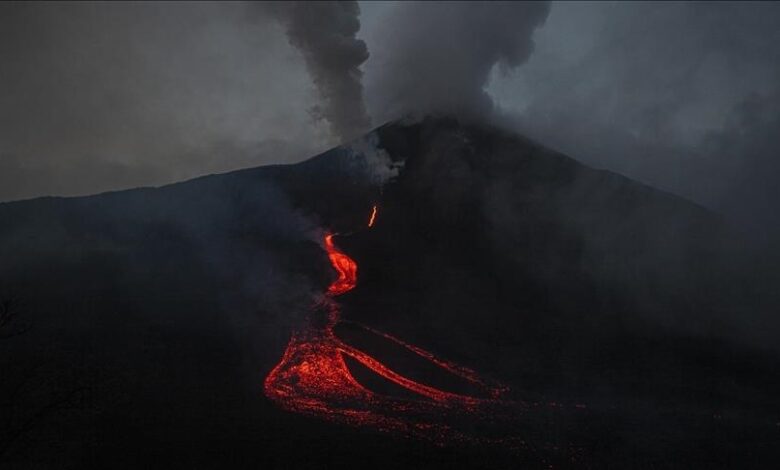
(141, 323)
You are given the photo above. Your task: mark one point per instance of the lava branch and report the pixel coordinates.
(313, 378)
(372, 217)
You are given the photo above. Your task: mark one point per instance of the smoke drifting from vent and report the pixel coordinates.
(437, 58)
(325, 33)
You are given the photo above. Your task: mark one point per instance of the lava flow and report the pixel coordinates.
(344, 266)
(313, 378)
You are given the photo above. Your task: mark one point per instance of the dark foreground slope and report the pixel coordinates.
(144, 321)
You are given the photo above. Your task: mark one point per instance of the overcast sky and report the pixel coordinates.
(102, 96)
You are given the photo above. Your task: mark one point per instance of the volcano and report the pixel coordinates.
(493, 304)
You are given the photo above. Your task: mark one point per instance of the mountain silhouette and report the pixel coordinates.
(622, 320)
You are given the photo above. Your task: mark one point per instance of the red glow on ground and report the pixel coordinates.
(312, 378)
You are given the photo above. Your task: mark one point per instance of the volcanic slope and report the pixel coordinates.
(619, 315)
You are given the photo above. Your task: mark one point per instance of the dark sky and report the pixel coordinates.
(102, 96)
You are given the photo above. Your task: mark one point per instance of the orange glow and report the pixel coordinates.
(312, 378)
(344, 266)
(372, 217)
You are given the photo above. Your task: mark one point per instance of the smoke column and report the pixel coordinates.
(437, 57)
(325, 33)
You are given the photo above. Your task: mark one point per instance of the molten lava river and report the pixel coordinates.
(313, 378)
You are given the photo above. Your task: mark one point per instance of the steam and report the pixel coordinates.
(438, 57)
(376, 162)
(325, 33)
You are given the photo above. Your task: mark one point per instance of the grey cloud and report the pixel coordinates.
(98, 96)
(682, 96)
(437, 56)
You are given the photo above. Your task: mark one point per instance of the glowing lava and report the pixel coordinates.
(312, 377)
(372, 217)
(344, 266)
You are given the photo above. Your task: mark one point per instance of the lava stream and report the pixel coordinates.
(344, 266)
(313, 378)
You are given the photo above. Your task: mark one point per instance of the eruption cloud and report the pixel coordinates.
(441, 55)
(325, 34)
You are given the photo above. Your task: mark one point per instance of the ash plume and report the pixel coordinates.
(325, 33)
(693, 110)
(438, 57)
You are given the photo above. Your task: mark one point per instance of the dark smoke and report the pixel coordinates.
(437, 57)
(325, 33)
